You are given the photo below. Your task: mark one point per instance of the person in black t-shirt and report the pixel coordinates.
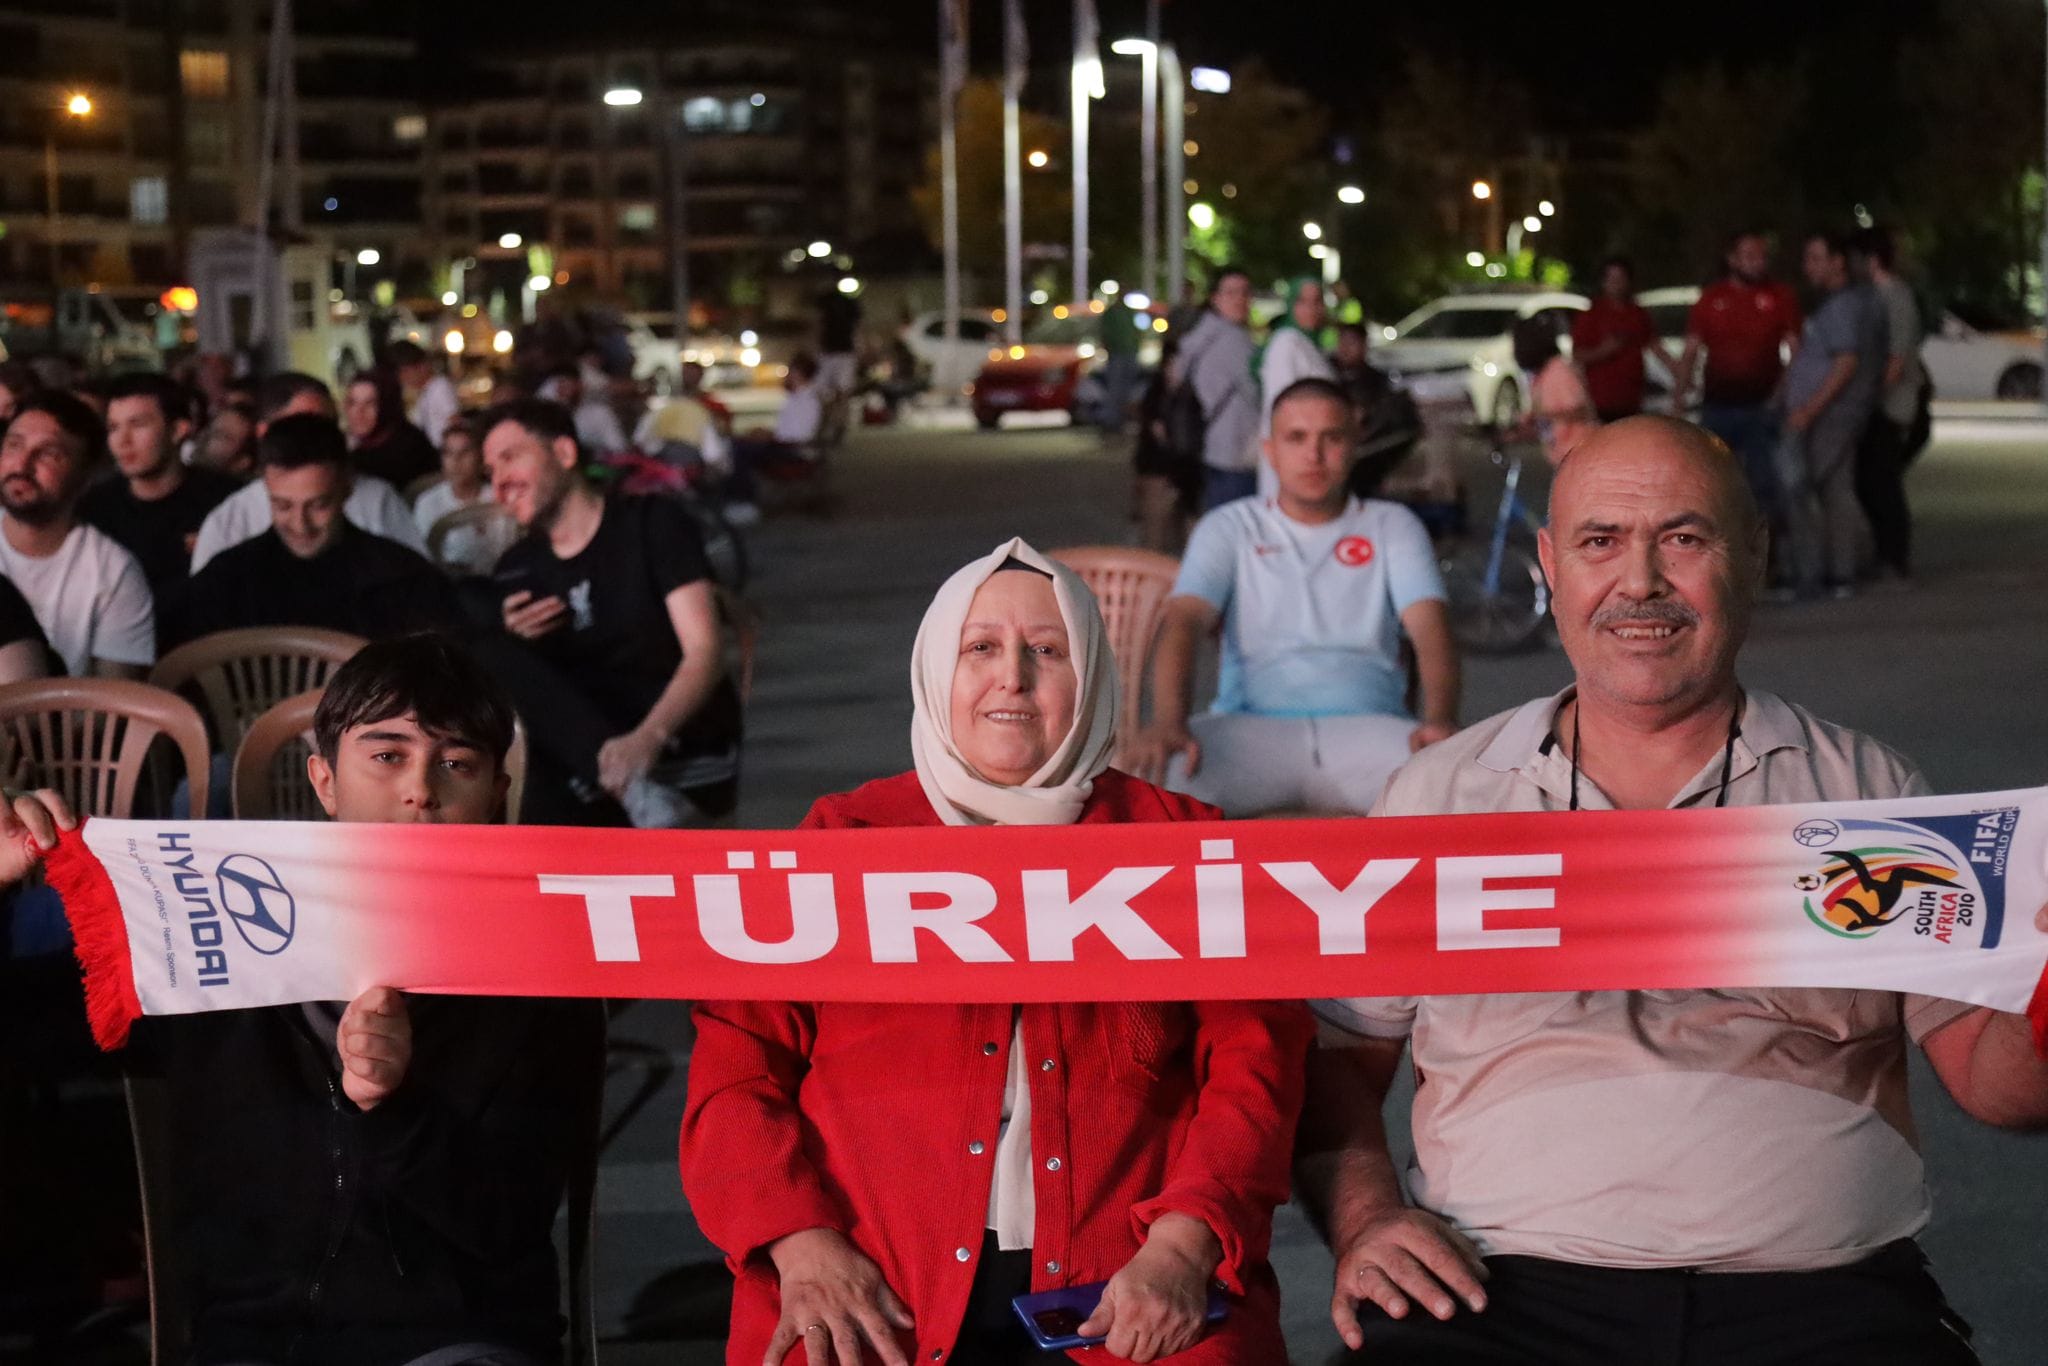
(615, 596)
(155, 508)
(314, 567)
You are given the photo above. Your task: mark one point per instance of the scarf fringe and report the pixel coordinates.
(100, 934)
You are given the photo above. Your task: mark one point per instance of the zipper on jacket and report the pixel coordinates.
(340, 1224)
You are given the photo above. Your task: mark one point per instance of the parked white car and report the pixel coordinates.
(952, 367)
(1461, 348)
(1968, 364)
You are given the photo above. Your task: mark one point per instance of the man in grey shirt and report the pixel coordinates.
(1887, 440)
(1216, 359)
(1831, 389)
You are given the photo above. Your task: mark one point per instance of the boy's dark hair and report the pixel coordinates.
(427, 674)
(1313, 386)
(74, 417)
(281, 388)
(403, 352)
(293, 443)
(173, 400)
(543, 419)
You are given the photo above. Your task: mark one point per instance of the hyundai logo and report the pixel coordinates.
(263, 911)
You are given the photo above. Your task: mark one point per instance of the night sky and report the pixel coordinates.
(1593, 65)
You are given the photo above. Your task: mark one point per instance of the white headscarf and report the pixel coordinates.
(1056, 793)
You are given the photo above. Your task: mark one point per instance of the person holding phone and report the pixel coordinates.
(612, 598)
(887, 1180)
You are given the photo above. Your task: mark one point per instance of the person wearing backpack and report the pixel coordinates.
(1217, 401)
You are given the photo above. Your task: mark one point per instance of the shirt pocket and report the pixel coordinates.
(1147, 1043)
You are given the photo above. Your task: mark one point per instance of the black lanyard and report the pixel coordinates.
(1727, 754)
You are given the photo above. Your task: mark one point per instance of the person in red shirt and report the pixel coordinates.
(1609, 341)
(1745, 321)
(884, 1179)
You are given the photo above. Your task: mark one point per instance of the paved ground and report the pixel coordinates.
(1949, 672)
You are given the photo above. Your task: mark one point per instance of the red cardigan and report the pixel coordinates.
(880, 1121)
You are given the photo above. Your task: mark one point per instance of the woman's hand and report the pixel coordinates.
(1156, 1305)
(834, 1301)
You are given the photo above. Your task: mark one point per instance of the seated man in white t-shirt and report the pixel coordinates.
(786, 445)
(1314, 590)
(88, 594)
(372, 504)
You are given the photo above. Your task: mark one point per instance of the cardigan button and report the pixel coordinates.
(1052, 1268)
(961, 1254)
(938, 1352)
(975, 1147)
(1052, 1164)
(988, 1050)
(1045, 1066)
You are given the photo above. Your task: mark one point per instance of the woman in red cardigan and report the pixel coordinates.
(884, 1179)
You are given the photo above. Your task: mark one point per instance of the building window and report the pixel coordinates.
(148, 201)
(409, 127)
(637, 218)
(205, 73)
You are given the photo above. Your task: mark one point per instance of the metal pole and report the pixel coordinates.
(950, 41)
(287, 57)
(2044, 242)
(1176, 225)
(1148, 174)
(677, 143)
(1013, 173)
(1082, 80)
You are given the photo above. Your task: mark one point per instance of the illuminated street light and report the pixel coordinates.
(1210, 80)
(368, 256)
(757, 99)
(1319, 251)
(79, 106)
(501, 342)
(1312, 231)
(1039, 296)
(1109, 287)
(1201, 216)
(819, 250)
(1546, 208)
(1481, 190)
(1131, 47)
(511, 241)
(540, 284)
(1475, 259)
(449, 298)
(849, 285)
(1038, 159)
(454, 342)
(1350, 194)
(622, 97)
(1532, 224)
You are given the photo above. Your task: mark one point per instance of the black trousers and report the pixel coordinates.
(1883, 1311)
(1881, 488)
(991, 1334)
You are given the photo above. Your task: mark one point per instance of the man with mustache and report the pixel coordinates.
(89, 595)
(1579, 1154)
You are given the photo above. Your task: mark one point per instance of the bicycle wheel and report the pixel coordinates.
(1507, 619)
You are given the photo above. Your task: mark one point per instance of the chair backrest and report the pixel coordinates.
(242, 674)
(270, 783)
(89, 737)
(1132, 587)
(488, 519)
(269, 780)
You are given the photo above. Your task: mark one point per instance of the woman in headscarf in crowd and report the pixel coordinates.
(884, 1179)
(1293, 351)
(381, 441)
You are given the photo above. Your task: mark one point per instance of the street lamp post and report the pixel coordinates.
(668, 111)
(78, 106)
(1174, 93)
